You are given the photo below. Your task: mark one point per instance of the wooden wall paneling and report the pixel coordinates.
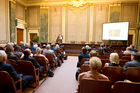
(130, 13)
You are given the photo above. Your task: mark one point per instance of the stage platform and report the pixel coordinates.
(75, 49)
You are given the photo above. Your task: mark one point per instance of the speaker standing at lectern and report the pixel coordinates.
(59, 39)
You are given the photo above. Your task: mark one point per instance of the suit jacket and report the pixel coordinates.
(133, 63)
(10, 70)
(12, 56)
(33, 60)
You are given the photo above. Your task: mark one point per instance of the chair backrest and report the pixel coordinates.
(50, 58)
(94, 86)
(113, 73)
(126, 87)
(27, 68)
(13, 63)
(83, 60)
(133, 74)
(41, 60)
(122, 62)
(104, 61)
(126, 57)
(7, 82)
(84, 68)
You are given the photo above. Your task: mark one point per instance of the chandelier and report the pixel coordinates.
(78, 3)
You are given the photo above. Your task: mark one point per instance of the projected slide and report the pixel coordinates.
(115, 31)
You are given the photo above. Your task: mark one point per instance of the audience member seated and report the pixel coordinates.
(10, 52)
(133, 49)
(95, 65)
(7, 67)
(39, 53)
(27, 57)
(88, 48)
(22, 45)
(92, 53)
(135, 61)
(84, 54)
(101, 50)
(128, 51)
(49, 50)
(59, 53)
(33, 50)
(17, 51)
(114, 60)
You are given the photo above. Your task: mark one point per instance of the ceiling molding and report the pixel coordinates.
(67, 2)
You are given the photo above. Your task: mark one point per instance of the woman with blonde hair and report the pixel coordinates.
(95, 65)
(114, 60)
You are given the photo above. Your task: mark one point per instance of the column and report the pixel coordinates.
(12, 17)
(43, 24)
(64, 23)
(91, 25)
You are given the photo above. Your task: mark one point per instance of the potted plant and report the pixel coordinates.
(36, 39)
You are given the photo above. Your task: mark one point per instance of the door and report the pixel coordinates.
(32, 36)
(19, 35)
(130, 39)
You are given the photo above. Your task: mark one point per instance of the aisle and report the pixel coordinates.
(63, 80)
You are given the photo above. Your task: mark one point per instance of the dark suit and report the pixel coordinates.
(14, 75)
(80, 57)
(133, 63)
(12, 56)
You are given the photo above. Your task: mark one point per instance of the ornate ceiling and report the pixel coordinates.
(54, 2)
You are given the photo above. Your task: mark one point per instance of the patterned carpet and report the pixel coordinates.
(63, 80)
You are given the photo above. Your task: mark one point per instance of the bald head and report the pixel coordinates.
(3, 56)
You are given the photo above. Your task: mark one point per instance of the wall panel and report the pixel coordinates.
(55, 22)
(129, 13)
(20, 11)
(100, 17)
(77, 24)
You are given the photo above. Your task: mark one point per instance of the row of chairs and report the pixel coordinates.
(117, 73)
(26, 68)
(121, 63)
(94, 86)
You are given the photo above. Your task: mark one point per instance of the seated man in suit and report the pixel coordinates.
(10, 52)
(135, 61)
(27, 53)
(7, 67)
(84, 54)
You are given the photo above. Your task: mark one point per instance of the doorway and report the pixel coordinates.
(32, 36)
(19, 35)
(130, 39)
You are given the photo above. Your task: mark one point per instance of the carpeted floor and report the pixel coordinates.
(63, 80)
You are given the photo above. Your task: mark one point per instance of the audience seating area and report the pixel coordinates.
(116, 75)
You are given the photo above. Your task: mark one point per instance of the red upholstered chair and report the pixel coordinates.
(27, 68)
(94, 86)
(126, 87)
(104, 61)
(13, 63)
(128, 58)
(113, 73)
(122, 62)
(133, 74)
(7, 83)
(83, 60)
(43, 62)
(84, 68)
(51, 59)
